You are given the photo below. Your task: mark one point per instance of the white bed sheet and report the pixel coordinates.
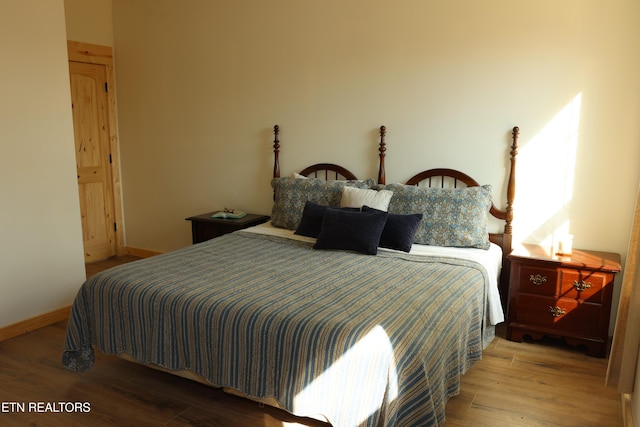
(490, 259)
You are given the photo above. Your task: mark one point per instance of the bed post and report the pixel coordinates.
(511, 186)
(276, 152)
(507, 237)
(382, 178)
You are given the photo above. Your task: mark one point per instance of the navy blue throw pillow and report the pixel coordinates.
(352, 231)
(399, 230)
(311, 220)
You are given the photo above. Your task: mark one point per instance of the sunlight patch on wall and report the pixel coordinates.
(545, 180)
(372, 354)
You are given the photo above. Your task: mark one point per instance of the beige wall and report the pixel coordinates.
(89, 21)
(41, 261)
(201, 83)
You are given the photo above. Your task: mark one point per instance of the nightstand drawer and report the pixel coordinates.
(538, 280)
(583, 285)
(562, 314)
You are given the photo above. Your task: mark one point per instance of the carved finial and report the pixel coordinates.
(382, 179)
(514, 146)
(276, 152)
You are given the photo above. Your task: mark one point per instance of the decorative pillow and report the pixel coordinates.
(452, 217)
(353, 231)
(399, 230)
(291, 194)
(311, 221)
(357, 197)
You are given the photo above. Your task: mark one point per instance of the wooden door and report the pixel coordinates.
(93, 158)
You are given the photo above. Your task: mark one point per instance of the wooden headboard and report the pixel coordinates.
(433, 177)
(453, 178)
(329, 171)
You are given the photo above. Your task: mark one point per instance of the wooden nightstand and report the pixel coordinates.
(565, 297)
(203, 227)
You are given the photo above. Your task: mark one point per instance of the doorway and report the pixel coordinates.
(93, 102)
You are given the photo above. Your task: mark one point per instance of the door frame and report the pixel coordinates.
(103, 55)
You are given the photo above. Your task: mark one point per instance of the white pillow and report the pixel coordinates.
(357, 197)
(297, 175)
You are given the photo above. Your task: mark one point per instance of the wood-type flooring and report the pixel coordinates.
(516, 384)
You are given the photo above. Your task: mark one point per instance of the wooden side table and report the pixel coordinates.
(203, 227)
(565, 297)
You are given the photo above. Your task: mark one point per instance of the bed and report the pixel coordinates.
(348, 306)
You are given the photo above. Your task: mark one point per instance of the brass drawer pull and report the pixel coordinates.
(557, 311)
(537, 279)
(581, 285)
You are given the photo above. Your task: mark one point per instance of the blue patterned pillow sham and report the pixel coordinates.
(451, 217)
(291, 194)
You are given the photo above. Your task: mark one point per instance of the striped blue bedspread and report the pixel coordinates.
(362, 340)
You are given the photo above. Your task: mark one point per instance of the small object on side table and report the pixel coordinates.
(204, 227)
(229, 214)
(565, 297)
